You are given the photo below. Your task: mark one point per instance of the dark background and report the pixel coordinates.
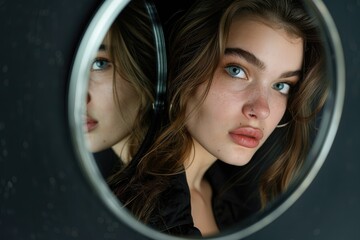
(43, 192)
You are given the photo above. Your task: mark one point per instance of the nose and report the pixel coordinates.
(257, 107)
(88, 98)
(90, 90)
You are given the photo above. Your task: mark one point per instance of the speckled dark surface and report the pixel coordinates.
(44, 193)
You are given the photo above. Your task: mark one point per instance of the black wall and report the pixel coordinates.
(43, 192)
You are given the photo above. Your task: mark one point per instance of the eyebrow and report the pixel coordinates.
(248, 56)
(252, 59)
(296, 73)
(102, 47)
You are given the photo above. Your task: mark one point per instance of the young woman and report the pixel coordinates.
(122, 85)
(246, 79)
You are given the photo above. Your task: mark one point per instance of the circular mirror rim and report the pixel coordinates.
(92, 38)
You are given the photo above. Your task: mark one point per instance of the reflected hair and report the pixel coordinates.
(134, 58)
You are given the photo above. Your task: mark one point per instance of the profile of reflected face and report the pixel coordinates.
(249, 91)
(122, 85)
(109, 121)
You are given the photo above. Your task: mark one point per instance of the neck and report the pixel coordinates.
(200, 190)
(198, 163)
(122, 150)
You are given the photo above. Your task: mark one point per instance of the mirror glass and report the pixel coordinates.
(121, 90)
(255, 94)
(125, 83)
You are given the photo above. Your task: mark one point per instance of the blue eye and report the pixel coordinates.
(282, 87)
(235, 71)
(100, 64)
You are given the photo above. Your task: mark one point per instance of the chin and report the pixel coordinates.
(91, 147)
(238, 162)
(241, 160)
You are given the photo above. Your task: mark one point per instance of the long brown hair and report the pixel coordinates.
(132, 50)
(197, 45)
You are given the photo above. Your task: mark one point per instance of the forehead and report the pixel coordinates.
(265, 39)
(105, 44)
(268, 21)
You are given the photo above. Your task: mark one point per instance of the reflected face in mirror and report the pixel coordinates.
(111, 108)
(249, 91)
(122, 85)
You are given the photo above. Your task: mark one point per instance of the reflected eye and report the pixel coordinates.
(100, 64)
(235, 71)
(282, 87)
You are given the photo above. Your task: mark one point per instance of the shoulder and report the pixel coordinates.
(235, 196)
(173, 213)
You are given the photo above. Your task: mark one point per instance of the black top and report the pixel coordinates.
(173, 215)
(106, 160)
(232, 200)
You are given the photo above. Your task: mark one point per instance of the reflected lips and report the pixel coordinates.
(246, 136)
(91, 124)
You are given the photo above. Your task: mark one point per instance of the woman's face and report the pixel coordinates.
(108, 123)
(249, 92)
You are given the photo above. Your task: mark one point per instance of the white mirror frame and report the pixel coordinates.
(94, 34)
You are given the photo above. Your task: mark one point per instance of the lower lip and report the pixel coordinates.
(90, 126)
(244, 141)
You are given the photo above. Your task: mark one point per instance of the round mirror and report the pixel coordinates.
(235, 188)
